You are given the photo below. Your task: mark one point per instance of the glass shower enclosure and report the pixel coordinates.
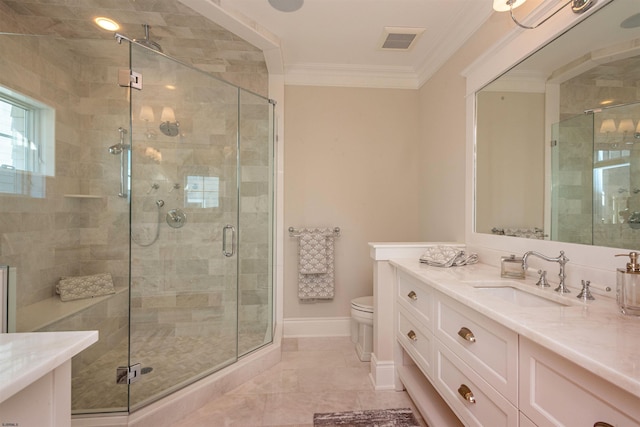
(155, 175)
(595, 163)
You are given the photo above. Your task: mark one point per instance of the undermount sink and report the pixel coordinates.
(519, 297)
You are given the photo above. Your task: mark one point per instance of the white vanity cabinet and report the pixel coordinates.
(487, 347)
(470, 360)
(557, 392)
(490, 363)
(476, 364)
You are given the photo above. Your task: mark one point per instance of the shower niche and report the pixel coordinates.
(129, 164)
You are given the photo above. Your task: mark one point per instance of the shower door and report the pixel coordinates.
(184, 226)
(571, 180)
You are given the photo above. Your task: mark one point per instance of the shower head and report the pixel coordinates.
(148, 42)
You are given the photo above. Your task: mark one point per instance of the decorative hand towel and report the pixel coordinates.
(447, 256)
(79, 287)
(320, 285)
(313, 253)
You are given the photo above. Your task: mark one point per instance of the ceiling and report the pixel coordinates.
(330, 42)
(337, 41)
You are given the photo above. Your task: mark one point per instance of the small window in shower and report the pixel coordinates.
(27, 135)
(202, 191)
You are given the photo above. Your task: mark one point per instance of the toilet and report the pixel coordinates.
(362, 326)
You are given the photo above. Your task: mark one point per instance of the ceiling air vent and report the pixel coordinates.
(399, 38)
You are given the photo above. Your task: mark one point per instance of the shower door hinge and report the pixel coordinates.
(554, 142)
(128, 374)
(130, 78)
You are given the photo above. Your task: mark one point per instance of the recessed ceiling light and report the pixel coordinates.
(631, 22)
(286, 5)
(106, 23)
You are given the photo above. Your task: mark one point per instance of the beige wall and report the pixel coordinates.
(350, 161)
(510, 158)
(442, 130)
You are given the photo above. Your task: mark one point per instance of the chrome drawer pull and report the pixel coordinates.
(413, 296)
(412, 336)
(602, 424)
(466, 334)
(466, 393)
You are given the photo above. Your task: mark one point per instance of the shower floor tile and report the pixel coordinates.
(171, 362)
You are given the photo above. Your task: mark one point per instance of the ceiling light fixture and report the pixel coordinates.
(578, 6)
(286, 5)
(106, 23)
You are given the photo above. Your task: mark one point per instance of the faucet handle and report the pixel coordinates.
(585, 294)
(542, 280)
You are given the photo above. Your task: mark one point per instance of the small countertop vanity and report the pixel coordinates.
(475, 349)
(35, 376)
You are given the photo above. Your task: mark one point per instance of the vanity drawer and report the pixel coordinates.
(416, 341)
(455, 380)
(416, 297)
(487, 347)
(556, 392)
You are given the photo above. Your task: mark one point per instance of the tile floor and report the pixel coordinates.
(315, 375)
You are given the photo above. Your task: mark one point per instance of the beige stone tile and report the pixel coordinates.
(230, 410)
(298, 408)
(325, 343)
(275, 380)
(334, 379)
(290, 344)
(313, 359)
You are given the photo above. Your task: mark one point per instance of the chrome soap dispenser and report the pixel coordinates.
(628, 286)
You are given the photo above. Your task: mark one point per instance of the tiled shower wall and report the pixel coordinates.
(60, 234)
(575, 188)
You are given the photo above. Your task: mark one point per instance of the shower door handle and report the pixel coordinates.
(225, 231)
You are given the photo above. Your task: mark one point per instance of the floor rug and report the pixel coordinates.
(402, 417)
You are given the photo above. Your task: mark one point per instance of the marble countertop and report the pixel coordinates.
(26, 357)
(593, 335)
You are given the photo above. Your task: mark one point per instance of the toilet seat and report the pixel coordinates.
(363, 304)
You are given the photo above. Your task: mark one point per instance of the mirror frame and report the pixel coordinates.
(587, 262)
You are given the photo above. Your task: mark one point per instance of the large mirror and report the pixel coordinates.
(558, 137)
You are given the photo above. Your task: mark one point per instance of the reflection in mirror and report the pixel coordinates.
(558, 137)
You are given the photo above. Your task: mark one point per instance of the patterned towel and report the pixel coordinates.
(447, 256)
(313, 253)
(79, 287)
(312, 286)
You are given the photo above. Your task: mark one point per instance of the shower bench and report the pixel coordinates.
(46, 313)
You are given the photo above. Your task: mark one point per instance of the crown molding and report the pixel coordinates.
(450, 43)
(346, 75)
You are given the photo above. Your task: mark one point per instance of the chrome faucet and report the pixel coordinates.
(561, 259)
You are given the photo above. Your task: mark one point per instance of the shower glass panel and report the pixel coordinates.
(62, 216)
(595, 167)
(255, 316)
(616, 177)
(571, 175)
(167, 190)
(184, 225)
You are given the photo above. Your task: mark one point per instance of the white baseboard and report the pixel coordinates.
(382, 373)
(317, 327)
